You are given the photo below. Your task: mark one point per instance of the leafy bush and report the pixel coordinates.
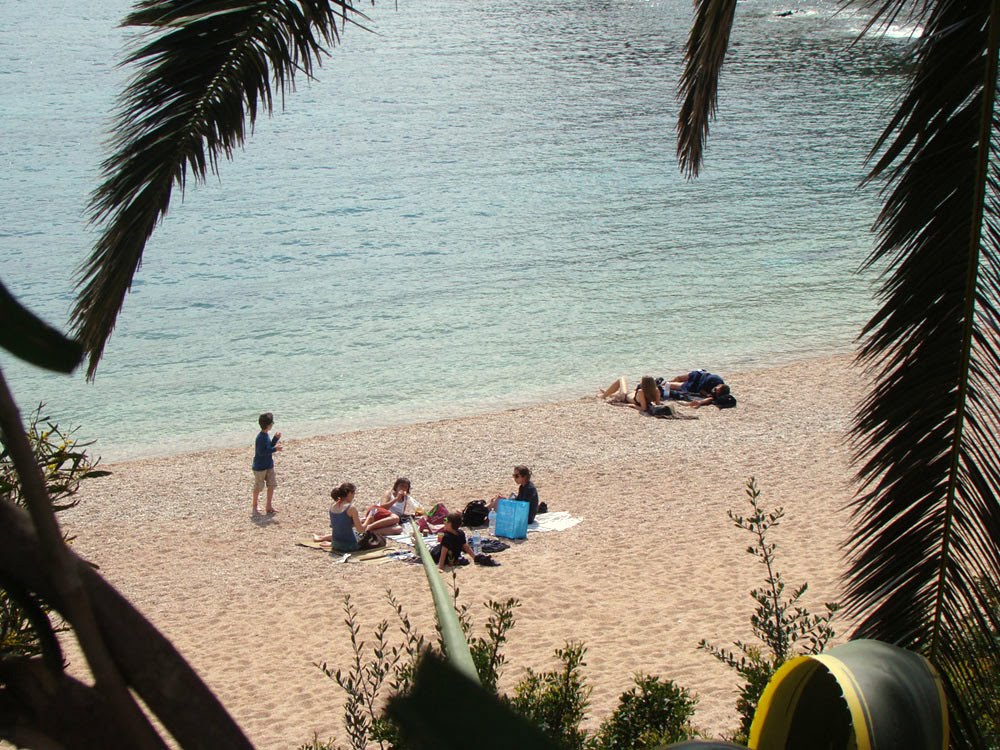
(784, 627)
(63, 464)
(557, 701)
(979, 638)
(651, 714)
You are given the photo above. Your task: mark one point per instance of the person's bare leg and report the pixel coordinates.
(384, 523)
(388, 530)
(269, 506)
(256, 496)
(619, 386)
(322, 537)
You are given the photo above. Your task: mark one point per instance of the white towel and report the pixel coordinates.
(558, 520)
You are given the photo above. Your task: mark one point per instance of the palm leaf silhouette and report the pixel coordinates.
(925, 551)
(206, 68)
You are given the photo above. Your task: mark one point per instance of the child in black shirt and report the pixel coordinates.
(451, 542)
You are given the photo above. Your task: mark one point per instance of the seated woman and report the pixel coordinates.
(526, 492)
(345, 522)
(385, 517)
(399, 501)
(705, 386)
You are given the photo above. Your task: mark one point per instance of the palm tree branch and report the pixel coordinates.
(927, 522)
(972, 299)
(189, 103)
(699, 84)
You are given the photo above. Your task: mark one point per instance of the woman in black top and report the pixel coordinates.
(526, 492)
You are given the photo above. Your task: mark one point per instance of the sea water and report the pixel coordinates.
(474, 205)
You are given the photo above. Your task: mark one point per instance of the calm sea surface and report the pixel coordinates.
(477, 206)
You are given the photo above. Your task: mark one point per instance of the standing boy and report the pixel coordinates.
(263, 462)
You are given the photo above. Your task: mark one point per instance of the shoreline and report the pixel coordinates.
(654, 567)
(322, 429)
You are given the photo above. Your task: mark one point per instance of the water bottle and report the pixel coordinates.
(477, 543)
(492, 521)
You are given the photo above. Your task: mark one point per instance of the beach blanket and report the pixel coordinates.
(382, 554)
(429, 539)
(558, 520)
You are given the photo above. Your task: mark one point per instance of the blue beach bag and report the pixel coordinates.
(512, 519)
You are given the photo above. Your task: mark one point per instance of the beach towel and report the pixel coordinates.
(429, 539)
(381, 554)
(554, 520)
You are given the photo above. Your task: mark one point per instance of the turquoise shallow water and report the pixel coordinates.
(476, 207)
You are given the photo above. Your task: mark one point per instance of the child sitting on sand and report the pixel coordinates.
(451, 543)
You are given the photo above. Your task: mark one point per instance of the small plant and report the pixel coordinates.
(389, 669)
(63, 464)
(557, 701)
(651, 714)
(980, 638)
(781, 624)
(318, 744)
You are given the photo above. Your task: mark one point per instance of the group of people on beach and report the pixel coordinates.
(349, 529)
(696, 388)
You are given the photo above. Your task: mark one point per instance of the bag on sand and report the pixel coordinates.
(437, 513)
(371, 540)
(475, 514)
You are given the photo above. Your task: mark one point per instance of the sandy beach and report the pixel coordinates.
(654, 566)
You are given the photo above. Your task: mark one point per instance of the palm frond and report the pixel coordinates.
(926, 544)
(31, 339)
(206, 67)
(699, 85)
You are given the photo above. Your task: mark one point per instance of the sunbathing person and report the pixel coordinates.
(345, 522)
(646, 393)
(526, 492)
(698, 387)
(695, 389)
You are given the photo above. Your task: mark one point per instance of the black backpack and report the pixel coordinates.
(475, 513)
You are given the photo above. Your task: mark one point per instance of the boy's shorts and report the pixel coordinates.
(264, 477)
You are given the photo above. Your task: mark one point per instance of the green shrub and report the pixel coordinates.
(63, 464)
(781, 624)
(651, 714)
(654, 712)
(557, 701)
(980, 638)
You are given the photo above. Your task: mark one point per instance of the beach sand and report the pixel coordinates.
(654, 567)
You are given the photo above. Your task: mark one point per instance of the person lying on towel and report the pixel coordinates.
(698, 388)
